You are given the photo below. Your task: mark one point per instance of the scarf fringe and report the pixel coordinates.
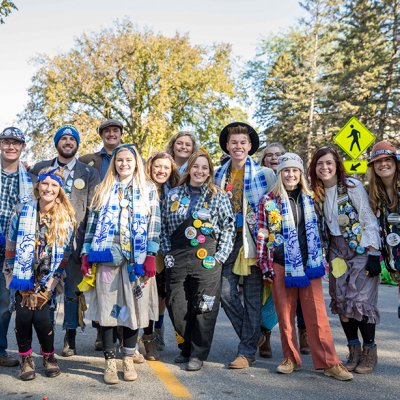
(22, 284)
(314, 273)
(296, 281)
(100, 256)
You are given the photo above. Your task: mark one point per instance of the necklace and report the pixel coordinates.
(330, 207)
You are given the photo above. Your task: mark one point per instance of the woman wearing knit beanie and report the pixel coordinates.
(290, 256)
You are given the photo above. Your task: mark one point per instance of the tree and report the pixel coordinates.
(153, 83)
(6, 8)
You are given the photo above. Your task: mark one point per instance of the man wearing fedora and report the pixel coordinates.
(80, 181)
(245, 183)
(110, 132)
(16, 184)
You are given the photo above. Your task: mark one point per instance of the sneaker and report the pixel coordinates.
(339, 372)
(287, 366)
(138, 357)
(7, 361)
(241, 362)
(194, 364)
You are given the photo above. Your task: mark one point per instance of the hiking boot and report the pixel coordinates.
(69, 343)
(51, 366)
(110, 372)
(339, 372)
(303, 341)
(241, 362)
(159, 334)
(287, 366)
(27, 371)
(138, 357)
(194, 364)
(353, 358)
(265, 349)
(368, 360)
(7, 361)
(150, 345)
(98, 344)
(128, 368)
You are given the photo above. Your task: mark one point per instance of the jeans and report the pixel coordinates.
(71, 301)
(5, 314)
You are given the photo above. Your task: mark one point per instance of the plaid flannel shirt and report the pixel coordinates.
(222, 219)
(153, 223)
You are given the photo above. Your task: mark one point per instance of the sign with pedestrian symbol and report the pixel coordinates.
(356, 166)
(354, 138)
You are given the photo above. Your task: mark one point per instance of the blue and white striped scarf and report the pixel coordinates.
(295, 276)
(25, 190)
(255, 185)
(109, 213)
(23, 270)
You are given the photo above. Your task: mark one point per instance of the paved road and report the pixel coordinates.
(82, 375)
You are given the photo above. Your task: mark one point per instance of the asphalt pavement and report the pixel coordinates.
(82, 374)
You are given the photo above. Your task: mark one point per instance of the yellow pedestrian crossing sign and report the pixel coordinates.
(354, 138)
(355, 166)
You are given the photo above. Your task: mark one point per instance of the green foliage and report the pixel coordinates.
(153, 83)
(6, 8)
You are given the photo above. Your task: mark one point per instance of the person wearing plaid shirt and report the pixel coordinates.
(197, 237)
(15, 183)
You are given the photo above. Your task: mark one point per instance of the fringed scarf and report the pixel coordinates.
(109, 214)
(255, 184)
(25, 191)
(295, 276)
(22, 266)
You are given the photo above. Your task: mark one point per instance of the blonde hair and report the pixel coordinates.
(279, 188)
(170, 145)
(103, 190)
(185, 178)
(62, 215)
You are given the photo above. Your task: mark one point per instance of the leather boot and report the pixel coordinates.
(69, 343)
(150, 345)
(128, 368)
(353, 358)
(369, 359)
(303, 341)
(265, 349)
(110, 372)
(51, 366)
(27, 369)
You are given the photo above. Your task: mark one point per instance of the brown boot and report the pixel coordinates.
(51, 366)
(150, 345)
(265, 349)
(110, 372)
(128, 368)
(303, 341)
(369, 359)
(27, 371)
(354, 357)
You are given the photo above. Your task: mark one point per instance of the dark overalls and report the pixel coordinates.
(193, 291)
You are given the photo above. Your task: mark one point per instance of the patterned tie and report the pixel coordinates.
(124, 233)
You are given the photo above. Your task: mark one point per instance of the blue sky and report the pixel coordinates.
(50, 26)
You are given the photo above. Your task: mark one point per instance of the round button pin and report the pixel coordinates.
(343, 220)
(79, 183)
(174, 206)
(194, 215)
(190, 232)
(201, 253)
(393, 219)
(194, 242)
(184, 200)
(204, 214)
(209, 262)
(201, 239)
(206, 228)
(393, 239)
(197, 223)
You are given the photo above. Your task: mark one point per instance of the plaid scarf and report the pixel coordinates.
(22, 266)
(25, 190)
(295, 276)
(109, 213)
(255, 184)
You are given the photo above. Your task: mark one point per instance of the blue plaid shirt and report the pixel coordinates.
(222, 218)
(8, 200)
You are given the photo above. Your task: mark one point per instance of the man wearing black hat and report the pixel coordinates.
(80, 181)
(110, 132)
(245, 183)
(15, 185)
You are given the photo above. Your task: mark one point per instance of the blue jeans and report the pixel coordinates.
(71, 300)
(5, 314)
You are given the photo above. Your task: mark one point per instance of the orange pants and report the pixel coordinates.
(312, 301)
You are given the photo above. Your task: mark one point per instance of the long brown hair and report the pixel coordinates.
(62, 215)
(173, 179)
(185, 178)
(377, 192)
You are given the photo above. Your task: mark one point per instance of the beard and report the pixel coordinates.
(68, 153)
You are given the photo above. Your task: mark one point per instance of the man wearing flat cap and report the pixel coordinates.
(80, 181)
(245, 182)
(110, 132)
(16, 185)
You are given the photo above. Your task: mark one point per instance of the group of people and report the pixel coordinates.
(127, 239)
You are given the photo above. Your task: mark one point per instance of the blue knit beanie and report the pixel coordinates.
(66, 130)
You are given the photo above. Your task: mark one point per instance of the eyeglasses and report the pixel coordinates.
(8, 144)
(269, 155)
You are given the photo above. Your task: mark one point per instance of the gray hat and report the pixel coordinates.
(290, 160)
(13, 133)
(110, 122)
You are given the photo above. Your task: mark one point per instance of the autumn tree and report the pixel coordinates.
(153, 83)
(6, 8)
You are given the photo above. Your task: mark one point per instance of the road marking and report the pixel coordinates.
(169, 380)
